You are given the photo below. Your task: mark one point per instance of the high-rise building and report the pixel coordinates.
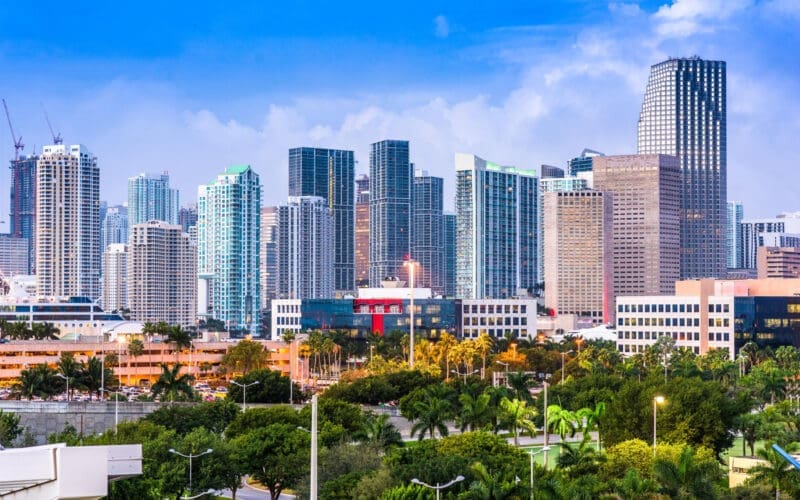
(151, 198)
(427, 232)
(551, 172)
(684, 114)
(775, 262)
(330, 174)
(115, 227)
(269, 255)
(305, 249)
(551, 185)
(115, 276)
(68, 222)
(450, 243)
(14, 256)
(390, 188)
(734, 234)
(782, 232)
(646, 198)
(496, 211)
(584, 162)
(162, 274)
(23, 203)
(228, 237)
(577, 254)
(187, 217)
(362, 231)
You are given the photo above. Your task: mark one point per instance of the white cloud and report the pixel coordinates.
(441, 26)
(683, 18)
(626, 9)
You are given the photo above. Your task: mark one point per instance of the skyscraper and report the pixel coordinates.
(646, 197)
(23, 203)
(305, 249)
(550, 185)
(330, 174)
(450, 242)
(115, 276)
(734, 234)
(427, 232)
(781, 231)
(684, 115)
(162, 274)
(151, 198)
(228, 235)
(269, 255)
(496, 211)
(187, 217)
(390, 188)
(14, 256)
(362, 231)
(115, 227)
(577, 254)
(68, 222)
(584, 162)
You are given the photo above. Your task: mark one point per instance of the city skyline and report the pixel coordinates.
(529, 72)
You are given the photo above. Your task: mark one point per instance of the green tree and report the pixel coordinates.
(135, 349)
(17, 330)
(579, 459)
(9, 428)
(489, 486)
(561, 421)
(256, 418)
(44, 331)
(181, 338)
(635, 487)
(172, 386)
(245, 356)
(39, 380)
(379, 430)
(214, 416)
(93, 374)
(520, 383)
(432, 416)
(775, 470)
(70, 368)
(633, 454)
(476, 411)
(591, 419)
(687, 478)
(272, 387)
(514, 415)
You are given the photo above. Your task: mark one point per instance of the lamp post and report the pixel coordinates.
(190, 457)
(438, 487)
(656, 401)
(61, 375)
(116, 405)
(506, 365)
(465, 374)
(546, 430)
(119, 361)
(563, 358)
(244, 391)
(544, 448)
(411, 264)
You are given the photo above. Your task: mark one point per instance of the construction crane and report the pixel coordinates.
(56, 137)
(18, 144)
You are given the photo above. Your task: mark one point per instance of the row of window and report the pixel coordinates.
(491, 321)
(495, 308)
(662, 322)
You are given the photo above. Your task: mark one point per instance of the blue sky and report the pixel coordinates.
(190, 88)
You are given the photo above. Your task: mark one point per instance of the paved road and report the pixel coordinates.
(250, 493)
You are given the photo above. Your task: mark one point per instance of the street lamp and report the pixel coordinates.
(116, 405)
(563, 357)
(190, 457)
(506, 365)
(532, 453)
(61, 375)
(465, 374)
(244, 391)
(411, 265)
(438, 487)
(313, 493)
(656, 401)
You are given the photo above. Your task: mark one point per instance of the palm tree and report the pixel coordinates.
(91, 376)
(687, 478)
(592, 419)
(775, 470)
(45, 331)
(378, 429)
(40, 380)
(18, 330)
(516, 414)
(70, 368)
(432, 415)
(135, 349)
(488, 486)
(180, 337)
(483, 345)
(561, 420)
(476, 411)
(635, 487)
(520, 382)
(172, 386)
(444, 346)
(579, 459)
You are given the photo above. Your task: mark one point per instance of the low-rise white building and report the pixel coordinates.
(496, 317)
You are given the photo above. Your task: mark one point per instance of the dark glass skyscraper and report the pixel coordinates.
(330, 174)
(684, 114)
(427, 232)
(23, 202)
(450, 243)
(390, 187)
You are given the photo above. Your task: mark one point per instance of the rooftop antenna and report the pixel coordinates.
(18, 144)
(56, 137)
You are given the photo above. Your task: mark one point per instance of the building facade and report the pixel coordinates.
(781, 231)
(187, 217)
(497, 225)
(228, 236)
(427, 232)
(390, 191)
(23, 203)
(646, 198)
(578, 254)
(115, 277)
(362, 231)
(115, 227)
(551, 185)
(269, 255)
(162, 274)
(497, 318)
(305, 249)
(684, 114)
(778, 262)
(583, 163)
(450, 244)
(734, 234)
(68, 222)
(14, 256)
(151, 198)
(330, 174)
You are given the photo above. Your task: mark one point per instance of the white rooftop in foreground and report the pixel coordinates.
(57, 471)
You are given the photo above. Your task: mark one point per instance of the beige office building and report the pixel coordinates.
(115, 277)
(577, 254)
(68, 222)
(778, 262)
(646, 200)
(162, 274)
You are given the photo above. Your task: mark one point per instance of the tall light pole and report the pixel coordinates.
(656, 401)
(563, 358)
(313, 492)
(438, 487)
(119, 361)
(506, 365)
(411, 264)
(61, 375)
(244, 391)
(546, 429)
(190, 457)
(545, 449)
